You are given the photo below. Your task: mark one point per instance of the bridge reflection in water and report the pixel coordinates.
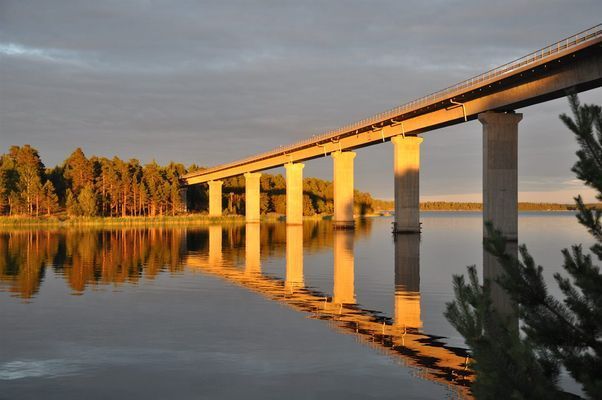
(234, 253)
(400, 336)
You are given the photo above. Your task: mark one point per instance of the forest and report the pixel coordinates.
(97, 186)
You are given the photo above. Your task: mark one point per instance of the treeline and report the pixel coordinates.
(88, 187)
(99, 186)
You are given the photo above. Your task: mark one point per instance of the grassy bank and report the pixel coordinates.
(62, 221)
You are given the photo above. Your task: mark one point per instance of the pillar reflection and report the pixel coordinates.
(344, 268)
(252, 248)
(500, 299)
(215, 245)
(407, 281)
(294, 257)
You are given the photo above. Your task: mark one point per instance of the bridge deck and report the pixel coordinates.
(572, 64)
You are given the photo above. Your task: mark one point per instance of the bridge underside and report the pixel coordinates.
(574, 72)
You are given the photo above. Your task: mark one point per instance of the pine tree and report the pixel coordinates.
(87, 201)
(30, 169)
(78, 170)
(4, 192)
(71, 204)
(557, 333)
(50, 200)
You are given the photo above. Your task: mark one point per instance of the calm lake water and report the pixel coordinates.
(260, 312)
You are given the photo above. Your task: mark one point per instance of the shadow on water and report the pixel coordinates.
(93, 258)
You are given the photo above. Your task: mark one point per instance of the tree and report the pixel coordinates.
(78, 170)
(87, 201)
(30, 169)
(4, 190)
(557, 333)
(50, 200)
(71, 204)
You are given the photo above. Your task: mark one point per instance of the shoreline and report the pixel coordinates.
(190, 219)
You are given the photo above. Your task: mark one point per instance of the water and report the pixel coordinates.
(228, 311)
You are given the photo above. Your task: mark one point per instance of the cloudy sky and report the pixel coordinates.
(212, 81)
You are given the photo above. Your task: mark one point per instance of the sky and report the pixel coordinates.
(209, 82)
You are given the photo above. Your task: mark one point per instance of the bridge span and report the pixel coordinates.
(571, 65)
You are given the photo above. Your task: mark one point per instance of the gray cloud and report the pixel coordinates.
(212, 81)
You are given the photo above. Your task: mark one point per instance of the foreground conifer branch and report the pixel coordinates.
(556, 333)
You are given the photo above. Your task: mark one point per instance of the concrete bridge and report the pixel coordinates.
(571, 65)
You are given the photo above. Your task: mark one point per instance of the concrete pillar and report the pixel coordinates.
(500, 199)
(294, 257)
(252, 249)
(294, 193)
(252, 193)
(407, 281)
(184, 199)
(215, 198)
(344, 268)
(500, 178)
(406, 166)
(343, 188)
(215, 245)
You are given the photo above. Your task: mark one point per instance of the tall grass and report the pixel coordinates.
(54, 221)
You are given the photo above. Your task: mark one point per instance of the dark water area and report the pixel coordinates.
(258, 311)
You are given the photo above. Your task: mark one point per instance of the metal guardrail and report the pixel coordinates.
(531, 58)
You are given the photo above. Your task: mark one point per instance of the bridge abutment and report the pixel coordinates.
(294, 193)
(406, 167)
(252, 193)
(215, 198)
(343, 189)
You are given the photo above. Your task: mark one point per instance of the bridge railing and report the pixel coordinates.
(531, 58)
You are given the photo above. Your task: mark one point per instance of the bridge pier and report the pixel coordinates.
(344, 268)
(406, 166)
(500, 198)
(215, 198)
(343, 189)
(500, 177)
(252, 193)
(294, 193)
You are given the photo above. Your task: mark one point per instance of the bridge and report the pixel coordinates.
(571, 65)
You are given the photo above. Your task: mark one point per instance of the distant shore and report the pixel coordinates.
(470, 206)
